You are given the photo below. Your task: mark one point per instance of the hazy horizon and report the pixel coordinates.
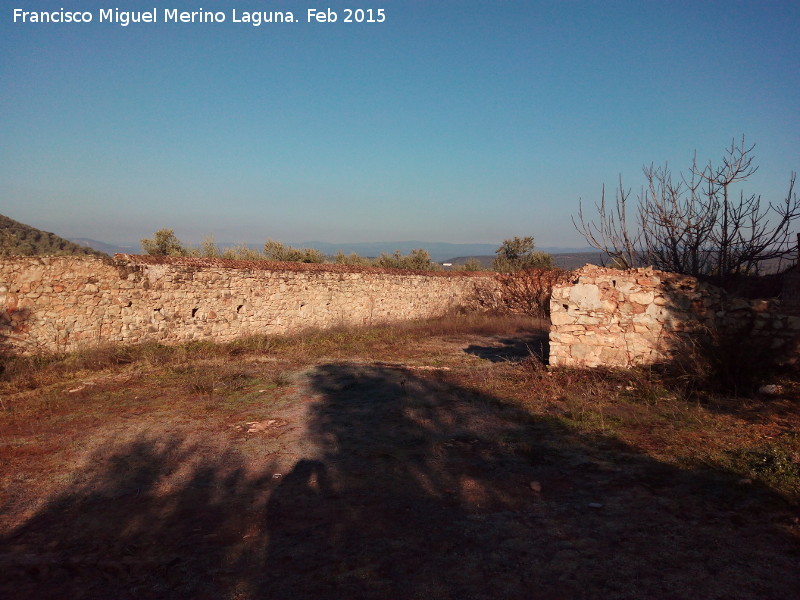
(448, 121)
(251, 243)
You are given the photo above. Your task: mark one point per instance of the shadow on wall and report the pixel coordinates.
(417, 488)
(620, 319)
(736, 345)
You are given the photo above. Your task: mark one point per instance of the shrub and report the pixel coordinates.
(516, 254)
(164, 243)
(281, 252)
(471, 264)
(209, 248)
(351, 259)
(418, 259)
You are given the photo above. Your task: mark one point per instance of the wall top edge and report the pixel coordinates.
(141, 260)
(263, 265)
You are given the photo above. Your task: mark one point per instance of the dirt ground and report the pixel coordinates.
(363, 478)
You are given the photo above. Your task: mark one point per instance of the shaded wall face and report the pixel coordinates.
(61, 303)
(790, 292)
(607, 317)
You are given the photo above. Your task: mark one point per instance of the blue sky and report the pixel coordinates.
(456, 121)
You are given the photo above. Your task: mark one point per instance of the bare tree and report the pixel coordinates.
(696, 225)
(610, 232)
(675, 223)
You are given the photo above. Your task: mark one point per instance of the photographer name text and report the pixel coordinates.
(124, 18)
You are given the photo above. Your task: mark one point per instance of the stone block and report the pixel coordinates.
(587, 320)
(642, 297)
(585, 296)
(562, 318)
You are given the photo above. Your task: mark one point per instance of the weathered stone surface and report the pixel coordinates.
(561, 318)
(60, 303)
(642, 297)
(623, 318)
(585, 296)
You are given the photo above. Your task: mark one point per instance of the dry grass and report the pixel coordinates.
(392, 461)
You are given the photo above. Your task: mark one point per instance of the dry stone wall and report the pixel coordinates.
(608, 317)
(62, 303)
(790, 292)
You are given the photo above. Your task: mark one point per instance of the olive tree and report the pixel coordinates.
(418, 259)
(164, 243)
(516, 254)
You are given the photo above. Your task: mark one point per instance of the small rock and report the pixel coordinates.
(261, 426)
(771, 389)
(536, 486)
(277, 476)
(595, 505)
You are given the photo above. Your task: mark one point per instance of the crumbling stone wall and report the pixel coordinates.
(619, 318)
(61, 303)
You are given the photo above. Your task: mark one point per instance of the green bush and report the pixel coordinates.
(418, 259)
(516, 254)
(351, 259)
(281, 252)
(164, 243)
(471, 264)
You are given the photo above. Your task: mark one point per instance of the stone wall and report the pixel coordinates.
(623, 318)
(61, 303)
(790, 292)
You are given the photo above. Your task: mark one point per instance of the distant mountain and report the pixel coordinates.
(18, 239)
(438, 250)
(575, 260)
(107, 248)
(566, 260)
(560, 250)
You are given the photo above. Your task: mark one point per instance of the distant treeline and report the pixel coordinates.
(514, 254)
(18, 239)
(165, 243)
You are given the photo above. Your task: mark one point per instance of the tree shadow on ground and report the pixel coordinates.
(514, 349)
(416, 488)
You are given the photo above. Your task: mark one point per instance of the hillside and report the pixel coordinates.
(566, 260)
(18, 239)
(109, 249)
(438, 250)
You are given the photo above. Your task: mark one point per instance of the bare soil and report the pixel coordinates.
(413, 466)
